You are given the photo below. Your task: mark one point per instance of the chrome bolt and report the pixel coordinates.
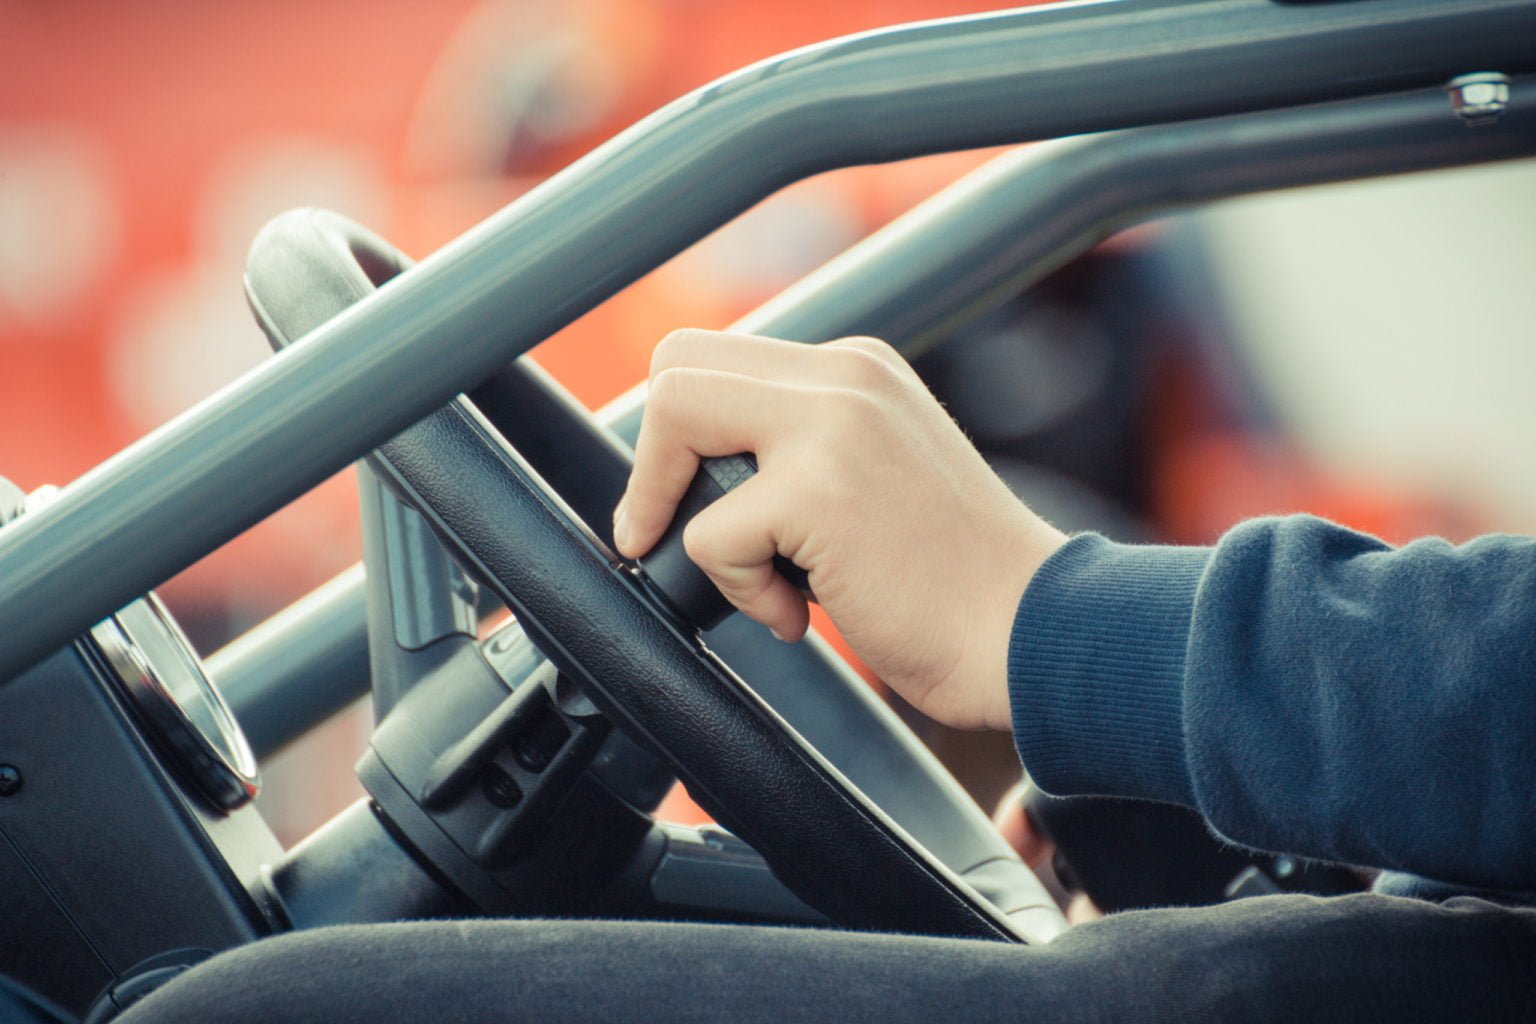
(1479, 98)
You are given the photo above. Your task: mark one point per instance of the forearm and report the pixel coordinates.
(1305, 688)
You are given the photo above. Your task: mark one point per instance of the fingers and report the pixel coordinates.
(738, 353)
(715, 393)
(847, 362)
(1011, 820)
(693, 413)
(734, 541)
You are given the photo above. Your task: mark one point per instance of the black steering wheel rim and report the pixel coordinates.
(822, 836)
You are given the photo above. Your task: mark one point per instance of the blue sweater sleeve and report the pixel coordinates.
(1306, 688)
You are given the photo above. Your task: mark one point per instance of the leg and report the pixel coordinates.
(1363, 957)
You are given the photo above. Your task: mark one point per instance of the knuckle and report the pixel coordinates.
(671, 349)
(861, 369)
(669, 389)
(870, 364)
(701, 544)
(744, 589)
(898, 373)
(851, 413)
(873, 347)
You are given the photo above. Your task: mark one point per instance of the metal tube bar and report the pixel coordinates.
(1030, 211)
(299, 667)
(632, 203)
(1004, 227)
(993, 233)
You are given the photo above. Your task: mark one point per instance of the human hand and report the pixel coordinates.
(914, 547)
(1010, 819)
(1036, 849)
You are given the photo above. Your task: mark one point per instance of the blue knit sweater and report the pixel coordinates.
(1306, 688)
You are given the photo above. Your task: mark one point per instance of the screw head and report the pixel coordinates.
(1479, 98)
(500, 788)
(10, 779)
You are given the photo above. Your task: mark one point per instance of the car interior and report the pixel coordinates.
(536, 696)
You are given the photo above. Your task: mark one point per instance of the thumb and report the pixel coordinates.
(734, 542)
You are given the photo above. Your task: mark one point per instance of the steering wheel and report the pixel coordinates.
(658, 681)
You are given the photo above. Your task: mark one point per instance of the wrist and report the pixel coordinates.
(1036, 543)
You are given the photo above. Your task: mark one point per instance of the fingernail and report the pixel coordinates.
(775, 633)
(620, 525)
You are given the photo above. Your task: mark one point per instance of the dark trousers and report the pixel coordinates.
(1291, 958)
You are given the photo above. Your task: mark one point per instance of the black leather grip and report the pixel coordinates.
(673, 577)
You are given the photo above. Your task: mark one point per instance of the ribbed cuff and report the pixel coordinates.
(1096, 669)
